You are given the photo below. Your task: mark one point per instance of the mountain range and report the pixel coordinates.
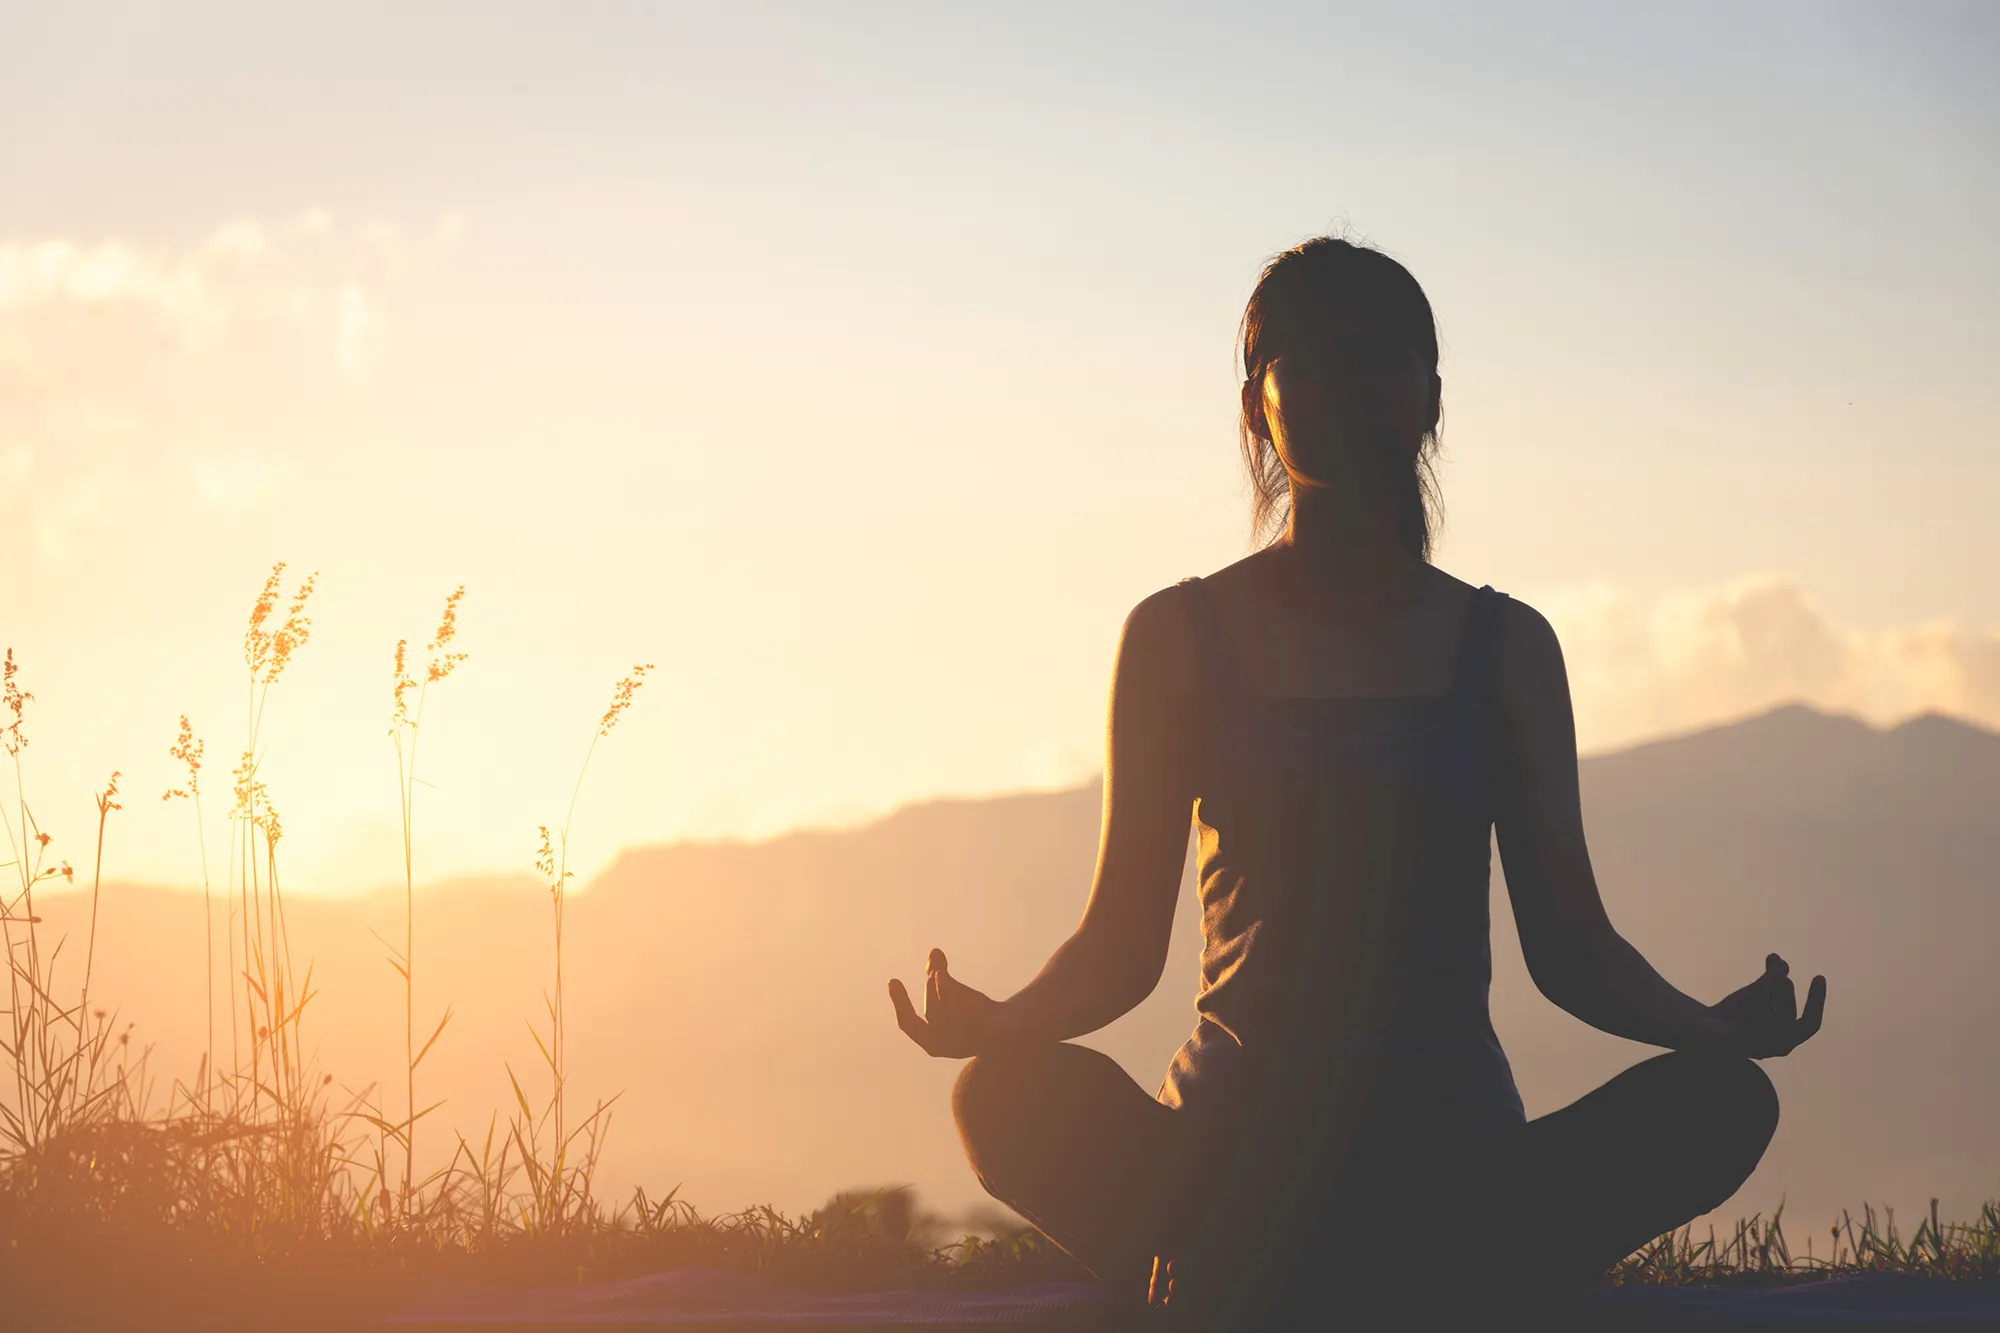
(732, 994)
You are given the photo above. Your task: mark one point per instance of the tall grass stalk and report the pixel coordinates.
(559, 1182)
(56, 1048)
(406, 728)
(277, 1099)
(187, 751)
(107, 801)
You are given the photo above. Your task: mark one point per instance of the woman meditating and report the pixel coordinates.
(1346, 722)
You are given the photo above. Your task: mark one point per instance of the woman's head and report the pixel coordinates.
(1340, 388)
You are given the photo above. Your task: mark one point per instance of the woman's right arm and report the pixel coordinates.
(1114, 957)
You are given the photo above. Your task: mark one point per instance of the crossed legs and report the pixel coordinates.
(1063, 1135)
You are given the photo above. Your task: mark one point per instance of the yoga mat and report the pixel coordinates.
(1877, 1300)
(705, 1298)
(708, 1297)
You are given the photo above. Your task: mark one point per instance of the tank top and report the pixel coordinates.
(1344, 874)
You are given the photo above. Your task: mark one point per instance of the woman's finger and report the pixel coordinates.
(907, 1018)
(1815, 1010)
(934, 975)
(1785, 999)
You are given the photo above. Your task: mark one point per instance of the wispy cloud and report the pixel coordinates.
(184, 289)
(129, 368)
(244, 270)
(1643, 666)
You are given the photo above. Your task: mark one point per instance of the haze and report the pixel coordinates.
(863, 366)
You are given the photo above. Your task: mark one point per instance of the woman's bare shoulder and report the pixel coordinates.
(1238, 577)
(1162, 628)
(1158, 649)
(1530, 667)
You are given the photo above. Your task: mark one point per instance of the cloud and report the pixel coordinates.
(242, 272)
(1640, 667)
(187, 290)
(130, 369)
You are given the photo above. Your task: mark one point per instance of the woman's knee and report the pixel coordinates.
(1689, 1089)
(993, 1104)
(1742, 1099)
(1015, 1101)
(1733, 1108)
(991, 1098)
(976, 1094)
(1756, 1103)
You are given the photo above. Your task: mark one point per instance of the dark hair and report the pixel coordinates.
(1295, 294)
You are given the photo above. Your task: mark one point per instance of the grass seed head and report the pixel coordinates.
(188, 750)
(621, 698)
(292, 635)
(266, 651)
(403, 683)
(448, 622)
(246, 786)
(256, 642)
(442, 661)
(16, 700)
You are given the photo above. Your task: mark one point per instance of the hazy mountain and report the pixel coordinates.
(733, 993)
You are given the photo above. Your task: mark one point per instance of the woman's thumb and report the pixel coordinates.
(935, 963)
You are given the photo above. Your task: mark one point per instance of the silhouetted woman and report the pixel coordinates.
(1347, 723)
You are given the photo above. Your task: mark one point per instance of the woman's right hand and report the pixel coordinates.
(957, 1021)
(1763, 1019)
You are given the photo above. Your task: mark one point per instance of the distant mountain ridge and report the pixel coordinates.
(1800, 760)
(734, 991)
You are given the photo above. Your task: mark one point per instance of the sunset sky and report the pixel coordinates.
(862, 365)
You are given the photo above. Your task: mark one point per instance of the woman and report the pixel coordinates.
(1347, 723)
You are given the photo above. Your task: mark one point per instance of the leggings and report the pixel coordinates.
(1062, 1135)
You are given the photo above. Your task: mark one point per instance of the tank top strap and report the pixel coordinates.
(1218, 665)
(1479, 652)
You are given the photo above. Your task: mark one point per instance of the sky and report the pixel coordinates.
(860, 366)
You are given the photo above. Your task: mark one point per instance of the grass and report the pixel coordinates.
(261, 1193)
(1759, 1249)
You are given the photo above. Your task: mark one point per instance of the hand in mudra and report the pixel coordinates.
(957, 1021)
(1763, 1019)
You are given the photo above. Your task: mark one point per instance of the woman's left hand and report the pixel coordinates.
(957, 1021)
(1763, 1019)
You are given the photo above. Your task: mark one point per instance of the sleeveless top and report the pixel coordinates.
(1344, 878)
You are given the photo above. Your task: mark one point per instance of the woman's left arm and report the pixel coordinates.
(1574, 954)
